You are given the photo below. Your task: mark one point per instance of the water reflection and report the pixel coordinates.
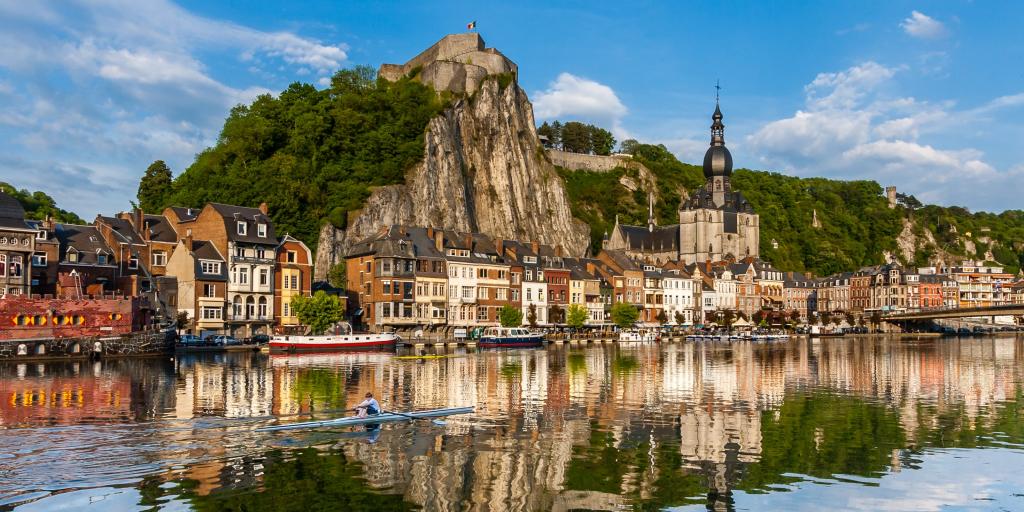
(596, 427)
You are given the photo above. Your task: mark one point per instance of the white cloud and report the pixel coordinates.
(573, 96)
(851, 128)
(922, 26)
(120, 83)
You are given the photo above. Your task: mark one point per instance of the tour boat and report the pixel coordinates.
(336, 341)
(509, 337)
(639, 335)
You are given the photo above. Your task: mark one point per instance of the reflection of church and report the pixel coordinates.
(715, 224)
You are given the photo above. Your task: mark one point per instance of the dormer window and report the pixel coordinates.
(133, 262)
(101, 259)
(241, 228)
(73, 257)
(41, 234)
(261, 230)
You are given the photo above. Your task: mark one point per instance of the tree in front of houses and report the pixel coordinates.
(624, 315)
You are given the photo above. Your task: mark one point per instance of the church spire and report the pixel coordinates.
(650, 211)
(717, 128)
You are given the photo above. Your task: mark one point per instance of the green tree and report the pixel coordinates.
(556, 315)
(601, 141)
(318, 312)
(680, 318)
(728, 317)
(510, 316)
(577, 316)
(531, 315)
(662, 317)
(38, 205)
(556, 134)
(337, 275)
(628, 146)
(624, 315)
(794, 316)
(547, 131)
(155, 188)
(576, 137)
(181, 320)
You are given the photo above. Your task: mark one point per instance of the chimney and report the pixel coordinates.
(558, 250)
(48, 223)
(591, 269)
(469, 241)
(439, 241)
(188, 239)
(430, 233)
(535, 247)
(264, 208)
(499, 244)
(138, 218)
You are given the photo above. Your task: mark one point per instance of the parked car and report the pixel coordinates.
(260, 339)
(190, 340)
(225, 341)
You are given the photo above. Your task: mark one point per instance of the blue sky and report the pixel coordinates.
(928, 96)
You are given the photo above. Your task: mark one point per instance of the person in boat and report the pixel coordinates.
(368, 406)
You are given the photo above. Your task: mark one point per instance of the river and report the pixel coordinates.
(837, 424)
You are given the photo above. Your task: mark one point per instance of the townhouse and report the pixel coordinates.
(17, 248)
(293, 277)
(202, 285)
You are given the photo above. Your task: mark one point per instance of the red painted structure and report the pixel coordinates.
(27, 318)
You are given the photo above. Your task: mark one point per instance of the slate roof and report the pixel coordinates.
(160, 229)
(86, 240)
(704, 198)
(12, 215)
(206, 250)
(186, 214)
(661, 238)
(123, 229)
(251, 216)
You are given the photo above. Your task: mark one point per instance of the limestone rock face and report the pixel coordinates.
(483, 170)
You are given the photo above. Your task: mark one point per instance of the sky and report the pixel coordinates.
(927, 96)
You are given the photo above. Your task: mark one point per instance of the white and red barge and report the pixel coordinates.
(333, 342)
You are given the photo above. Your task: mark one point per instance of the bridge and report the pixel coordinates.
(936, 314)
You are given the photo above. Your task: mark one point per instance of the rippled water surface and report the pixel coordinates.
(859, 424)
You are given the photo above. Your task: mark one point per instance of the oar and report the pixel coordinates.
(434, 421)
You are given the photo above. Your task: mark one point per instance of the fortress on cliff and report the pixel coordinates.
(457, 63)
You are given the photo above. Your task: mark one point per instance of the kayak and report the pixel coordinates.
(377, 418)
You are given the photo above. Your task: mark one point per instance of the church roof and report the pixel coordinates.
(703, 198)
(661, 238)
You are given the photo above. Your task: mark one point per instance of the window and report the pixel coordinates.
(385, 287)
(407, 290)
(529, 259)
(261, 230)
(482, 273)
(39, 259)
(529, 275)
(529, 294)
(210, 267)
(72, 257)
(385, 309)
(209, 290)
(515, 295)
(41, 234)
(250, 307)
(481, 314)
(467, 292)
(264, 309)
(241, 228)
(101, 259)
(239, 251)
(295, 282)
(15, 266)
(501, 293)
(292, 256)
(501, 274)
(211, 313)
(482, 293)
(133, 262)
(264, 276)
(261, 253)
(453, 291)
(243, 276)
(159, 258)
(286, 309)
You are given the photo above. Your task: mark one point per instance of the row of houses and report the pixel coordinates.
(223, 266)
(408, 276)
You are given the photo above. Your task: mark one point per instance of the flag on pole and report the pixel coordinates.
(471, 25)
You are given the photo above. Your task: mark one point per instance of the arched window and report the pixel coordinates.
(236, 306)
(250, 307)
(263, 307)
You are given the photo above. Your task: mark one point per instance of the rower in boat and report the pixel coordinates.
(368, 406)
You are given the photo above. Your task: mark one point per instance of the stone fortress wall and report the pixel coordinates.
(458, 63)
(584, 162)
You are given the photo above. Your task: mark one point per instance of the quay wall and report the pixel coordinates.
(143, 343)
(23, 317)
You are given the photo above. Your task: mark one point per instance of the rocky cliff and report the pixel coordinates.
(483, 168)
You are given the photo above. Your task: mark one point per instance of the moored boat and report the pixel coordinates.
(341, 339)
(509, 337)
(639, 335)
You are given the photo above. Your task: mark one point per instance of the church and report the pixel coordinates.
(716, 223)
